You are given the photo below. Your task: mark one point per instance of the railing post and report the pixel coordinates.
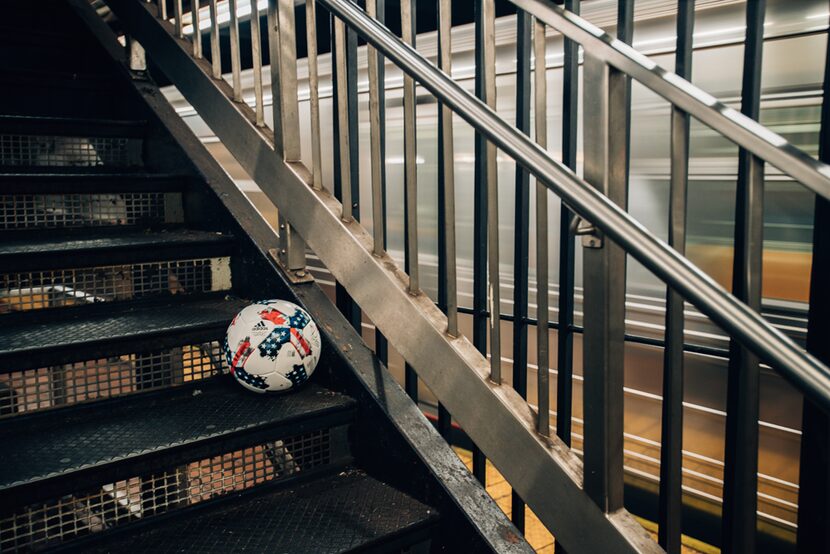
(814, 471)
(447, 275)
(670, 504)
(564, 337)
(604, 289)
(740, 472)
(286, 122)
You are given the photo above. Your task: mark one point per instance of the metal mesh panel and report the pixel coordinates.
(56, 521)
(64, 287)
(19, 211)
(57, 151)
(43, 388)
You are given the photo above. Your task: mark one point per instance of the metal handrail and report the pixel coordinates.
(701, 105)
(735, 317)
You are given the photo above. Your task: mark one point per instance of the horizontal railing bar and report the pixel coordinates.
(701, 105)
(804, 370)
(691, 348)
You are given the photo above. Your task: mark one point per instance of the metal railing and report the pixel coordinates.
(393, 300)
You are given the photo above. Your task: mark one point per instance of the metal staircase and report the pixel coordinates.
(174, 251)
(124, 253)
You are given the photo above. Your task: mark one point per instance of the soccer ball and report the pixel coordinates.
(272, 345)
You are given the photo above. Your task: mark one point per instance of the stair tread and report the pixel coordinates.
(51, 243)
(39, 448)
(339, 513)
(41, 333)
(73, 126)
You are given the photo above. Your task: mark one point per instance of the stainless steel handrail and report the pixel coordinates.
(748, 327)
(698, 103)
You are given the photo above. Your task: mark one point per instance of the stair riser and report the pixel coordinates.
(134, 499)
(75, 211)
(38, 389)
(34, 290)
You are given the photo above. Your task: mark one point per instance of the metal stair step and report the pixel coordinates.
(59, 142)
(71, 126)
(78, 182)
(51, 337)
(48, 251)
(347, 512)
(51, 454)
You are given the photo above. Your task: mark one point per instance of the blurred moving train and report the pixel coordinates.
(792, 73)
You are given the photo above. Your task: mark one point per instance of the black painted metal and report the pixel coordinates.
(742, 407)
(814, 474)
(444, 417)
(567, 248)
(347, 512)
(410, 376)
(671, 449)
(77, 448)
(479, 227)
(522, 230)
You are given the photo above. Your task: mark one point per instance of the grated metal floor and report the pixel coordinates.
(341, 513)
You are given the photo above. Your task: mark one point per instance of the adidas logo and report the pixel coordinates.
(259, 327)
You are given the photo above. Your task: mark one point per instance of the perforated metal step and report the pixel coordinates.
(62, 252)
(40, 339)
(347, 512)
(47, 455)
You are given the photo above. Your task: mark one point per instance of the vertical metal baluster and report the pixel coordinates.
(177, 10)
(197, 32)
(740, 481)
(162, 9)
(604, 286)
(410, 156)
(283, 57)
(344, 300)
(447, 283)
(521, 226)
(256, 60)
(542, 336)
(215, 52)
(410, 180)
(671, 449)
(381, 344)
(447, 171)
(494, 286)
(625, 33)
(814, 471)
(343, 119)
(235, 60)
(480, 314)
(374, 132)
(314, 94)
(567, 247)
